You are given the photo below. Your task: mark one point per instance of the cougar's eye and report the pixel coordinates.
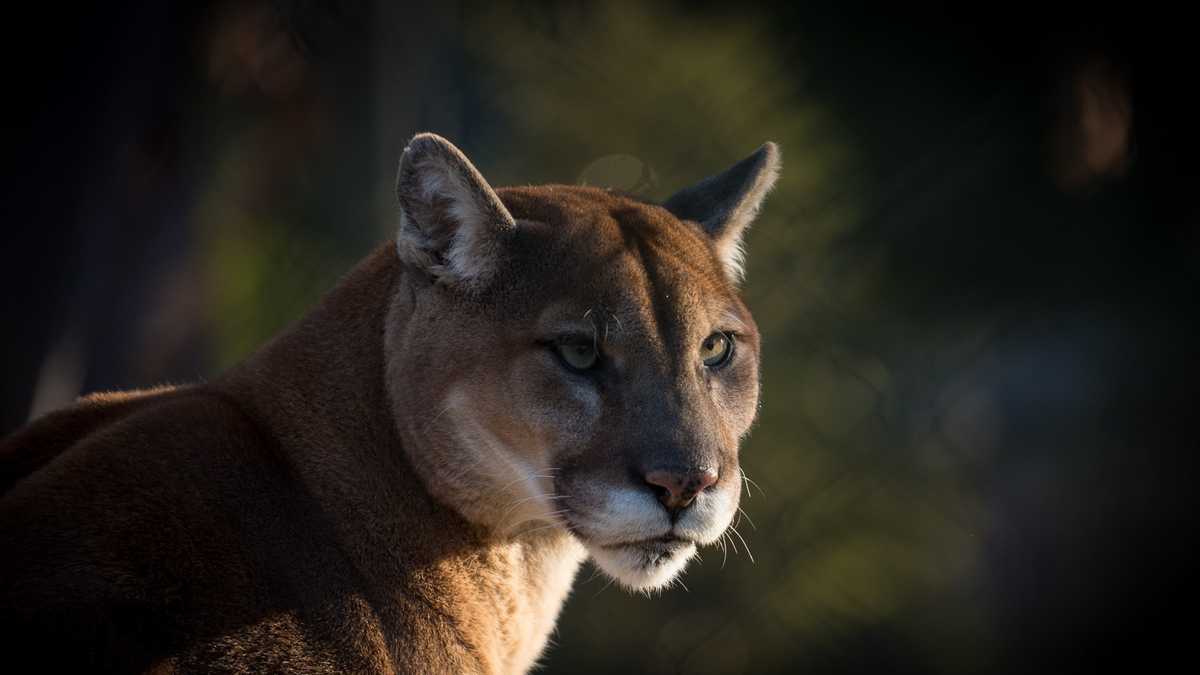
(577, 355)
(716, 350)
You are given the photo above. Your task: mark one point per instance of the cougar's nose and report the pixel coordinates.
(677, 488)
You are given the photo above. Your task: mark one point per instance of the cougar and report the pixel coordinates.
(408, 478)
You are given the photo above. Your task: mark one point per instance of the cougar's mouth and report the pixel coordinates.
(632, 542)
(665, 544)
(656, 553)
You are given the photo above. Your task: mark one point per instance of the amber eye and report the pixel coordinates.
(716, 350)
(577, 355)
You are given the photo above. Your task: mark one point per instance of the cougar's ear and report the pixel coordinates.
(451, 221)
(726, 203)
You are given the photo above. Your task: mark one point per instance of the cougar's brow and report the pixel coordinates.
(560, 319)
(728, 320)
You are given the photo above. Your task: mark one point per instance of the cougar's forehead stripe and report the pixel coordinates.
(678, 291)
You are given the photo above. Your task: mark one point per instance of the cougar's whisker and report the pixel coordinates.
(748, 518)
(433, 420)
(751, 481)
(595, 573)
(747, 546)
(602, 588)
(537, 474)
(526, 500)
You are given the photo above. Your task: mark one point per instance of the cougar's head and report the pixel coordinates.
(571, 360)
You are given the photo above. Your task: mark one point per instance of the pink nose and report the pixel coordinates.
(677, 489)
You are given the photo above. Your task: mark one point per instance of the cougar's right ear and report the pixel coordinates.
(451, 220)
(725, 204)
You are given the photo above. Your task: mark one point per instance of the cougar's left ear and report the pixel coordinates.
(451, 221)
(726, 203)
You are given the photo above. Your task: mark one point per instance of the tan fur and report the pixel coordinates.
(406, 480)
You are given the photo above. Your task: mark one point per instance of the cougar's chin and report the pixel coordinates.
(646, 565)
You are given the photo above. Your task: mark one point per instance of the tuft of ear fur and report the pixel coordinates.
(725, 204)
(451, 221)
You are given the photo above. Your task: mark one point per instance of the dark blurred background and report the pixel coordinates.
(976, 280)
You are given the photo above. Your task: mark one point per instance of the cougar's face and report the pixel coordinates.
(571, 362)
(628, 375)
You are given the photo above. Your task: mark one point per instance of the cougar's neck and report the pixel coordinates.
(317, 391)
(319, 385)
